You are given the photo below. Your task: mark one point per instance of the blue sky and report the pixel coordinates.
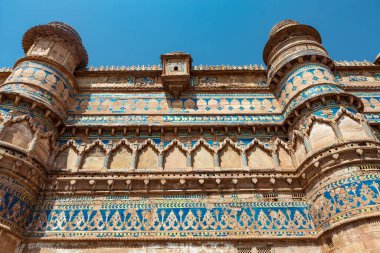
(214, 31)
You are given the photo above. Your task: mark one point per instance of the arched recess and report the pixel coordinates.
(258, 157)
(202, 157)
(175, 158)
(229, 157)
(321, 134)
(93, 157)
(66, 158)
(351, 128)
(147, 157)
(18, 133)
(299, 149)
(285, 160)
(121, 158)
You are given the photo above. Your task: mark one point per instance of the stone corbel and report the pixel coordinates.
(72, 185)
(92, 184)
(110, 184)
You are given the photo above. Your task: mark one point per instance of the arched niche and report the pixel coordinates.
(147, 158)
(351, 129)
(257, 157)
(94, 159)
(121, 158)
(202, 158)
(19, 134)
(66, 159)
(229, 157)
(284, 158)
(175, 158)
(321, 135)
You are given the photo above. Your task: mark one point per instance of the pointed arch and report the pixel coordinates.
(147, 156)
(94, 156)
(175, 156)
(258, 156)
(320, 132)
(229, 155)
(202, 155)
(66, 157)
(121, 155)
(283, 153)
(351, 126)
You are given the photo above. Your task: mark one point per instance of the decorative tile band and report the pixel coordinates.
(40, 95)
(170, 218)
(202, 217)
(310, 74)
(15, 204)
(191, 217)
(345, 199)
(168, 120)
(41, 82)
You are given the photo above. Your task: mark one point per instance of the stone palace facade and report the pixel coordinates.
(182, 158)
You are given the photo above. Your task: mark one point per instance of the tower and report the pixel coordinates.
(35, 98)
(332, 143)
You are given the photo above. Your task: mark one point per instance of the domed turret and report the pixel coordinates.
(58, 42)
(291, 43)
(45, 75)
